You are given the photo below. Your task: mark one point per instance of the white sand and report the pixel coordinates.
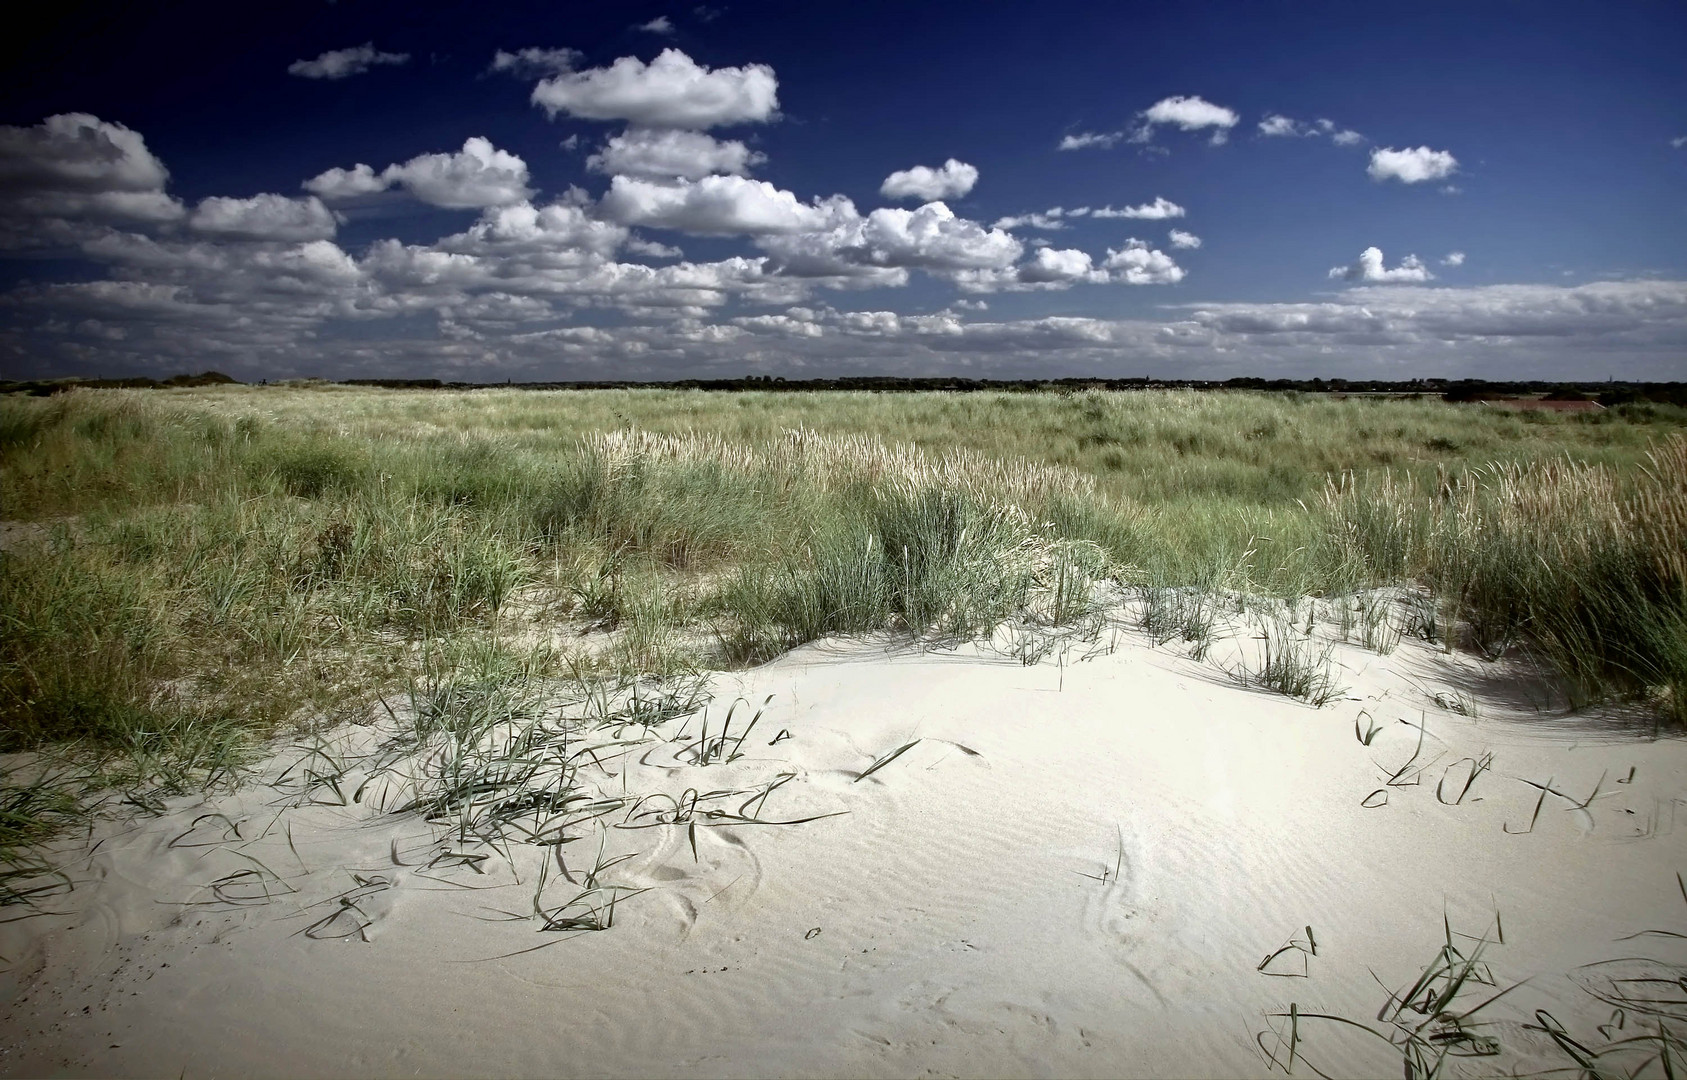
(961, 919)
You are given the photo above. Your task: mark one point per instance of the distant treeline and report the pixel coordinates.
(1609, 392)
(43, 387)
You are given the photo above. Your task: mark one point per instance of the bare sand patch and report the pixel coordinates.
(1074, 867)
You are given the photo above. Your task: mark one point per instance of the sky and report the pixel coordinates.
(483, 192)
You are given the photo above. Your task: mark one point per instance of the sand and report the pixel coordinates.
(1076, 870)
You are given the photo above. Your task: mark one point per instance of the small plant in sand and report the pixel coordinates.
(1377, 629)
(500, 760)
(1422, 617)
(1366, 732)
(1067, 582)
(1288, 662)
(725, 745)
(886, 758)
(1455, 701)
(1430, 1023)
(1447, 1016)
(1188, 614)
(592, 906)
(1411, 772)
(1646, 1034)
(347, 916)
(1111, 875)
(1292, 959)
(1028, 642)
(30, 811)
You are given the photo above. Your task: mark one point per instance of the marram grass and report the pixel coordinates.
(187, 571)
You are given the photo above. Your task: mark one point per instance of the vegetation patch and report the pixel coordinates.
(206, 568)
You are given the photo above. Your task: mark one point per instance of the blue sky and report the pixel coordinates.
(484, 192)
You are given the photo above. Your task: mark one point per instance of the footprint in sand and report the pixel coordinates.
(720, 872)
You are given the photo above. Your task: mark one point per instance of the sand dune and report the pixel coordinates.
(1076, 869)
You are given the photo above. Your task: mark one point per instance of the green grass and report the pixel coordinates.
(31, 810)
(1290, 663)
(1583, 564)
(214, 566)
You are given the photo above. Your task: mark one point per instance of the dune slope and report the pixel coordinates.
(1076, 868)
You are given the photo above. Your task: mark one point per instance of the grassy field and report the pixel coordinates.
(189, 571)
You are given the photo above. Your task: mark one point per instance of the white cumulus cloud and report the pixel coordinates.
(136, 208)
(1050, 268)
(1138, 264)
(338, 183)
(712, 206)
(477, 176)
(563, 232)
(1047, 270)
(1158, 210)
(661, 24)
(344, 63)
(1190, 114)
(263, 217)
(78, 152)
(953, 180)
(77, 166)
(1181, 239)
(1060, 267)
(1454, 258)
(671, 91)
(1369, 268)
(880, 248)
(1413, 166)
(933, 237)
(665, 152)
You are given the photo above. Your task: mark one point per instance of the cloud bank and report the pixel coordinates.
(594, 283)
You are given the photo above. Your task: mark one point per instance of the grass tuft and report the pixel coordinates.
(1289, 663)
